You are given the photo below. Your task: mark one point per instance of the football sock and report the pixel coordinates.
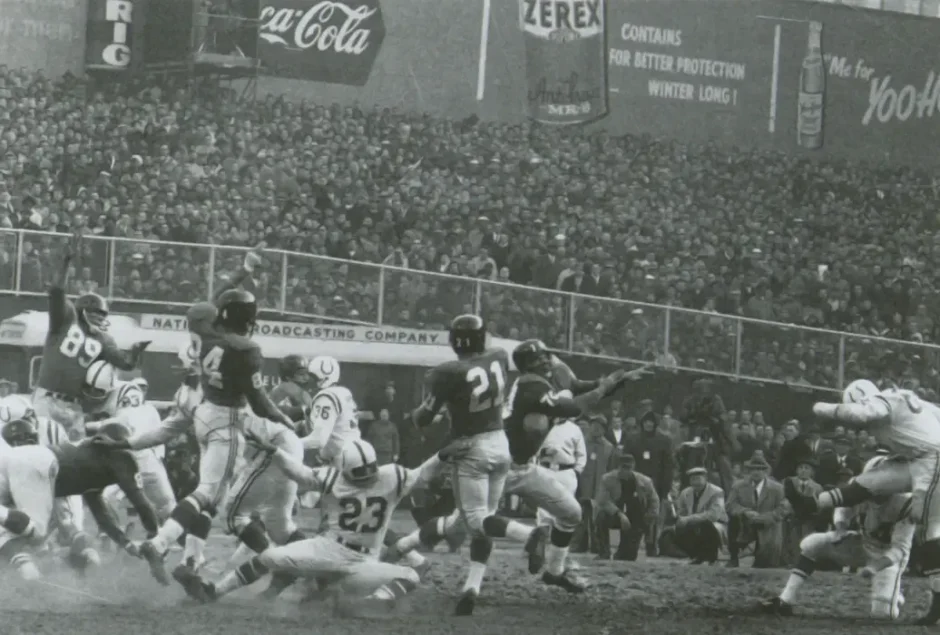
(798, 575)
(254, 536)
(414, 559)
(185, 514)
(846, 496)
(246, 573)
(195, 544)
(475, 576)
(518, 531)
(25, 566)
(410, 542)
(242, 553)
(394, 590)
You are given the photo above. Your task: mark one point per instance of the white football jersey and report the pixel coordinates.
(51, 432)
(141, 419)
(335, 420)
(564, 445)
(21, 463)
(360, 515)
(911, 427)
(887, 527)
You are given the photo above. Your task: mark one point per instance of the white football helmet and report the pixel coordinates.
(360, 464)
(14, 407)
(859, 390)
(325, 370)
(142, 384)
(99, 380)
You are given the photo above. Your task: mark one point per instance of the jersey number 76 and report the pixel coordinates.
(488, 387)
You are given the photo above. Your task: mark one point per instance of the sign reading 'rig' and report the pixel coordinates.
(110, 34)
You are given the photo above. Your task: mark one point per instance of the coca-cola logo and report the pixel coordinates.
(334, 41)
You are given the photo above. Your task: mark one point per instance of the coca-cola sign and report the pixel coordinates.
(332, 41)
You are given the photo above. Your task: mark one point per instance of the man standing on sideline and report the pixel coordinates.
(600, 459)
(383, 435)
(628, 502)
(756, 508)
(702, 523)
(654, 458)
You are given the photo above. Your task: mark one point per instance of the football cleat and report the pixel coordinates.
(155, 559)
(568, 581)
(195, 587)
(466, 603)
(535, 548)
(776, 606)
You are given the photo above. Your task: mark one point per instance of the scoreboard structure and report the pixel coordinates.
(199, 37)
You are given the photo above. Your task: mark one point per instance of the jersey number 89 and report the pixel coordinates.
(78, 346)
(351, 519)
(488, 387)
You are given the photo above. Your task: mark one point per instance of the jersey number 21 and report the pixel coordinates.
(488, 387)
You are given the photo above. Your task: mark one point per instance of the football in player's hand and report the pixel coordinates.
(140, 347)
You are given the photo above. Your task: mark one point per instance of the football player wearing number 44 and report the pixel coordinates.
(358, 498)
(77, 337)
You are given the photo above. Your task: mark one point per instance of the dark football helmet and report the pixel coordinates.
(200, 316)
(92, 309)
(238, 311)
(468, 334)
(294, 368)
(531, 356)
(21, 432)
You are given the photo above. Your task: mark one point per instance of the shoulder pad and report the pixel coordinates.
(240, 342)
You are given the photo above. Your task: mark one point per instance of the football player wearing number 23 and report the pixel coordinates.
(473, 387)
(231, 366)
(77, 337)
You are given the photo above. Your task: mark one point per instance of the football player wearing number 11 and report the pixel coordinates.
(77, 337)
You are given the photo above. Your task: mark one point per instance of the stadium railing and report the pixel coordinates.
(325, 289)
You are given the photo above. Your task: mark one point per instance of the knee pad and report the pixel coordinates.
(491, 526)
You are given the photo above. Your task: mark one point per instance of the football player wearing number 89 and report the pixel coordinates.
(77, 337)
(910, 429)
(359, 498)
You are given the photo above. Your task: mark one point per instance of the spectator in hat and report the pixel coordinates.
(601, 458)
(756, 509)
(702, 522)
(627, 501)
(797, 526)
(838, 455)
(654, 458)
(689, 455)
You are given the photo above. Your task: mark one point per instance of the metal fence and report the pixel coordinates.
(139, 272)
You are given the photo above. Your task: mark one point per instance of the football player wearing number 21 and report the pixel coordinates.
(77, 337)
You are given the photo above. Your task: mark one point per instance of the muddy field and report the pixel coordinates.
(655, 596)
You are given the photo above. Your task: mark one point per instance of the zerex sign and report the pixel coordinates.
(110, 34)
(332, 41)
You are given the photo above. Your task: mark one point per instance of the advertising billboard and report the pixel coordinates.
(46, 35)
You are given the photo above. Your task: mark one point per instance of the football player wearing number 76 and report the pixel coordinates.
(910, 429)
(77, 337)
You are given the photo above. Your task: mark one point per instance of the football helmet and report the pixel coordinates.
(99, 380)
(200, 316)
(238, 311)
(294, 368)
(531, 356)
(360, 464)
(467, 334)
(142, 384)
(92, 309)
(21, 432)
(859, 390)
(325, 370)
(126, 394)
(15, 407)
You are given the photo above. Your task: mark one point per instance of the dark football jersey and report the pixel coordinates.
(231, 367)
(473, 389)
(533, 396)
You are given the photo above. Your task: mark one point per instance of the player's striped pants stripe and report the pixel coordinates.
(239, 497)
(924, 519)
(231, 460)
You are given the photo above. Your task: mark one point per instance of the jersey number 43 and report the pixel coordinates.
(362, 517)
(489, 387)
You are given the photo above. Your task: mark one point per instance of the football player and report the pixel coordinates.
(85, 470)
(473, 387)
(231, 377)
(881, 550)
(77, 337)
(334, 416)
(291, 395)
(910, 429)
(359, 498)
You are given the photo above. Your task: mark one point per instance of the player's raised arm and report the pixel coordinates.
(424, 415)
(865, 412)
(251, 262)
(121, 360)
(61, 311)
(169, 428)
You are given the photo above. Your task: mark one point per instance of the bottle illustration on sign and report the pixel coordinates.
(566, 62)
(812, 103)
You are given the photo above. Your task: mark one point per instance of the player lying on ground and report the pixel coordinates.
(231, 379)
(359, 499)
(910, 428)
(881, 550)
(77, 337)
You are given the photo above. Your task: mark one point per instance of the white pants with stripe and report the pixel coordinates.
(921, 477)
(264, 488)
(850, 551)
(221, 449)
(568, 479)
(68, 413)
(323, 557)
(154, 482)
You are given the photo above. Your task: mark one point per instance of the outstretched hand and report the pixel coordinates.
(74, 246)
(253, 257)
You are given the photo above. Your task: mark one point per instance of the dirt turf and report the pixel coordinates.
(657, 596)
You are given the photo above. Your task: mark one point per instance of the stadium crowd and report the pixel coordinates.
(756, 234)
